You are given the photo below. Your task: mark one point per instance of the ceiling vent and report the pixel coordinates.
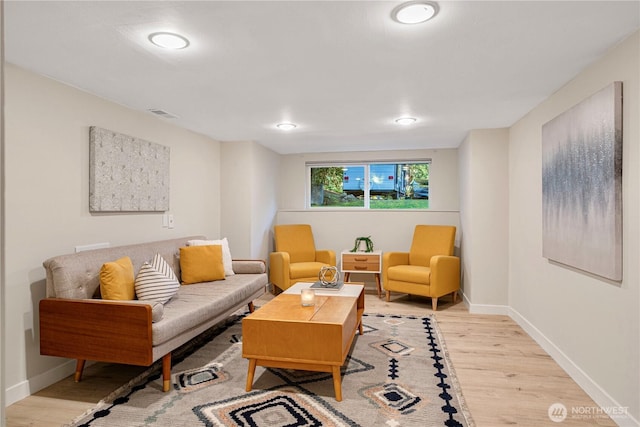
(162, 113)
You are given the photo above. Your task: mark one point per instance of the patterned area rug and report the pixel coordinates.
(397, 375)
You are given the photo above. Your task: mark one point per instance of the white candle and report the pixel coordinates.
(307, 297)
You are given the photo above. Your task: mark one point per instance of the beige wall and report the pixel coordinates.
(235, 175)
(484, 217)
(249, 198)
(265, 195)
(390, 230)
(47, 187)
(590, 326)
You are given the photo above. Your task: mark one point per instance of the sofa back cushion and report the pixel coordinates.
(78, 275)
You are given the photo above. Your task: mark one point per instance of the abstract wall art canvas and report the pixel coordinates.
(582, 185)
(127, 174)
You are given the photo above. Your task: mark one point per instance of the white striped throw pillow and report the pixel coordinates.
(156, 281)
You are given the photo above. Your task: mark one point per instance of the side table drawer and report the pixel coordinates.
(368, 258)
(361, 262)
(353, 266)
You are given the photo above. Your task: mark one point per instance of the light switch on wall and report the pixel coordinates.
(165, 220)
(171, 223)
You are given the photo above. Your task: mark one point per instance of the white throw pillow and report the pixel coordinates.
(227, 260)
(156, 281)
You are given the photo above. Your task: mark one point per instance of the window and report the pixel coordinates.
(369, 185)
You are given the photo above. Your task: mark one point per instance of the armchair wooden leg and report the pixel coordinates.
(455, 296)
(251, 307)
(79, 368)
(166, 372)
(388, 296)
(434, 303)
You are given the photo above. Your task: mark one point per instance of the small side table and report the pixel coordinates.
(362, 262)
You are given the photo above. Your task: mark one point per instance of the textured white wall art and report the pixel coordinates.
(582, 185)
(127, 174)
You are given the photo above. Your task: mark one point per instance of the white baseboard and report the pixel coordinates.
(600, 396)
(485, 308)
(25, 389)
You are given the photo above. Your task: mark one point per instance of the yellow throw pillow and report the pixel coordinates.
(201, 264)
(117, 279)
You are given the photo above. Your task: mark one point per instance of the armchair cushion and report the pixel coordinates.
(297, 241)
(428, 241)
(410, 273)
(300, 270)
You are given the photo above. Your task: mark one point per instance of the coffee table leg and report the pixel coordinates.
(337, 386)
(250, 373)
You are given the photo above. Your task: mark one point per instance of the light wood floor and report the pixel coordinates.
(506, 378)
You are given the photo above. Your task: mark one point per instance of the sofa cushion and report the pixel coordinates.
(249, 267)
(156, 281)
(197, 303)
(117, 280)
(201, 264)
(157, 311)
(227, 260)
(77, 275)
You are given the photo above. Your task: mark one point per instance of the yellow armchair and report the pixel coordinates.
(428, 269)
(295, 258)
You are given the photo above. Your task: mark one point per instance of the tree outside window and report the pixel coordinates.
(327, 188)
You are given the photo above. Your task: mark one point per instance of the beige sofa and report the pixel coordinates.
(75, 323)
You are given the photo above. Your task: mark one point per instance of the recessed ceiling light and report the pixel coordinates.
(169, 40)
(286, 126)
(406, 120)
(414, 12)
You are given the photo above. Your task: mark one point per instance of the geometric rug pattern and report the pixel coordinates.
(397, 375)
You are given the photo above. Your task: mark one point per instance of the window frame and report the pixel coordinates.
(367, 187)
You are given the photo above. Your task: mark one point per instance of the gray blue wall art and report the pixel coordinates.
(582, 185)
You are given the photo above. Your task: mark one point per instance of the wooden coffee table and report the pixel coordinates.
(284, 334)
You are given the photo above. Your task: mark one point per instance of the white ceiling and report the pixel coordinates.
(342, 70)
